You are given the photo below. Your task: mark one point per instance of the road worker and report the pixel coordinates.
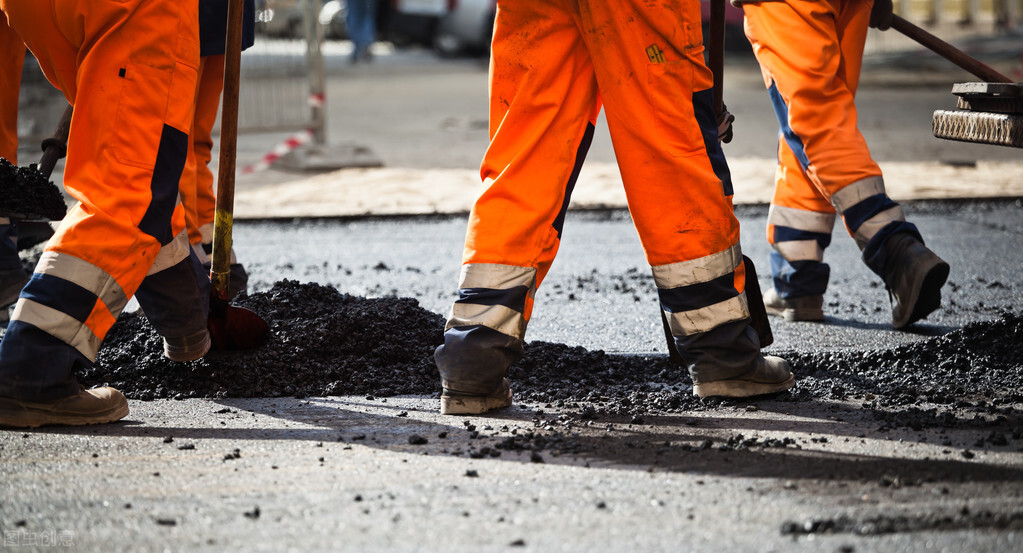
(810, 52)
(553, 64)
(129, 69)
(12, 57)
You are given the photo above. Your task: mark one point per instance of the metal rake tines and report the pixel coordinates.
(973, 126)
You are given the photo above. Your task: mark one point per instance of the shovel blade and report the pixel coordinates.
(236, 329)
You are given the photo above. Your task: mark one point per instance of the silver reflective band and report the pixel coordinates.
(708, 318)
(873, 225)
(59, 325)
(498, 317)
(497, 277)
(801, 219)
(171, 254)
(800, 250)
(704, 269)
(86, 275)
(857, 192)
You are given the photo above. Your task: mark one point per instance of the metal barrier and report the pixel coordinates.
(282, 81)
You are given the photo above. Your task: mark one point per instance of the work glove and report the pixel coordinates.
(881, 15)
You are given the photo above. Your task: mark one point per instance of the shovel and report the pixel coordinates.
(28, 193)
(947, 51)
(231, 327)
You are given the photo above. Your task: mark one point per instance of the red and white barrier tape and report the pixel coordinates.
(289, 144)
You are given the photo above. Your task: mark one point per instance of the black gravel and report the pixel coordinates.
(327, 343)
(26, 194)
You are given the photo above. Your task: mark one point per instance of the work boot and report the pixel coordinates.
(726, 361)
(914, 276)
(95, 406)
(457, 403)
(11, 283)
(802, 308)
(187, 348)
(768, 375)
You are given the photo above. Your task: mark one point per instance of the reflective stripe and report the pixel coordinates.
(873, 225)
(492, 276)
(800, 250)
(171, 253)
(496, 276)
(801, 219)
(708, 318)
(498, 317)
(857, 192)
(59, 325)
(704, 269)
(86, 275)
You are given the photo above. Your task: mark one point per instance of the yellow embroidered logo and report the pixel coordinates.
(655, 54)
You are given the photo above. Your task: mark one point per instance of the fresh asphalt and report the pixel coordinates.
(340, 473)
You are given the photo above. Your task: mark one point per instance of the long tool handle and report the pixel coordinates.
(55, 147)
(220, 273)
(716, 44)
(947, 51)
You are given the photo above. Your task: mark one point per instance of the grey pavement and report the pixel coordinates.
(340, 473)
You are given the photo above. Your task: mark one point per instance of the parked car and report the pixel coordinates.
(280, 18)
(406, 22)
(466, 28)
(333, 19)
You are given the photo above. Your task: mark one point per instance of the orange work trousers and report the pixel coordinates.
(197, 182)
(12, 59)
(129, 68)
(553, 65)
(811, 52)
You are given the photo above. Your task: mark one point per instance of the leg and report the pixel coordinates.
(813, 83)
(12, 58)
(658, 97)
(127, 149)
(799, 226)
(543, 97)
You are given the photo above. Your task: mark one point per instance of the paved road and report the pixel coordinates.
(339, 473)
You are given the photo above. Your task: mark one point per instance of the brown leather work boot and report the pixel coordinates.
(803, 308)
(768, 375)
(914, 276)
(94, 406)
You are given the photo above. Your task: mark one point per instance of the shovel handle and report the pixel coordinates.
(947, 51)
(55, 147)
(223, 220)
(716, 44)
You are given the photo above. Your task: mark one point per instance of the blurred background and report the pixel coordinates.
(302, 88)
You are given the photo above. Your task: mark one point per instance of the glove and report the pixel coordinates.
(881, 15)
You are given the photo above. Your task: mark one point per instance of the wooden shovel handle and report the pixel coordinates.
(947, 51)
(220, 273)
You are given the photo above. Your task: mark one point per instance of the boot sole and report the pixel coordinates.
(16, 415)
(741, 388)
(474, 405)
(795, 315)
(928, 296)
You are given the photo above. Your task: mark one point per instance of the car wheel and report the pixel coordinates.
(447, 45)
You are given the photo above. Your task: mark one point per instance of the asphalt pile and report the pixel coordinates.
(25, 193)
(324, 342)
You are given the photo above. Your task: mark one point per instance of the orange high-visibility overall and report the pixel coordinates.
(12, 58)
(197, 181)
(554, 63)
(811, 52)
(129, 69)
